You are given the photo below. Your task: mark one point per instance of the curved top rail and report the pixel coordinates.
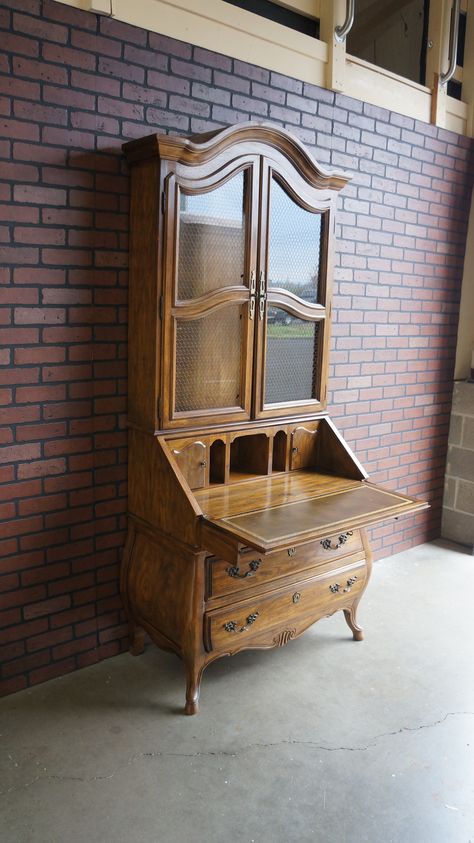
(197, 149)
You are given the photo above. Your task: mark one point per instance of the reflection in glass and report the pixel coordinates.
(295, 246)
(208, 360)
(211, 239)
(291, 357)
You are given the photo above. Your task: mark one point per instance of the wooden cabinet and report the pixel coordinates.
(247, 508)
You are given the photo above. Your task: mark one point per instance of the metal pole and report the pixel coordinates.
(341, 32)
(453, 44)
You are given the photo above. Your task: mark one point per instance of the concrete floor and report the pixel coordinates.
(324, 740)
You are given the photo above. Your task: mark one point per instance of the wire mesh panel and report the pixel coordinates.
(211, 239)
(208, 360)
(291, 357)
(294, 254)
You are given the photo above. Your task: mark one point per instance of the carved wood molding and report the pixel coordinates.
(283, 637)
(198, 149)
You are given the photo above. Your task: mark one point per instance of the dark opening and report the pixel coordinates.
(274, 12)
(393, 35)
(461, 39)
(279, 451)
(217, 462)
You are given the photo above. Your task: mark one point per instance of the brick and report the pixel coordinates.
(8, 617)
(130, 72)
(40, 276)
(10, 686)
(67, 137)
(12, 453)
(19, 172)
(40, 113)
(51, 671)
(12, 295)
(24, 630)
(14, 213)
(84, 120)
(80, 645)
(24, 596)
(40, 70)
(39, 28)
(39, 315)
(39, 195)
(68, 97)
(12, 651)
(40, 468)
(40, 236)
(19, 254)
(17, 44)
(44, 503)
(46, 607)
(17, 130)
(11, 415)
(49, 639)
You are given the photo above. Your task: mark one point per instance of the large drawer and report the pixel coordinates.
(255, 570)
(273, 618)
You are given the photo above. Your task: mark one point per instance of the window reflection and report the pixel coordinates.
(294, 254)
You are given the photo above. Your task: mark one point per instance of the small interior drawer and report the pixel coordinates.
(191, 457)
(256, 570)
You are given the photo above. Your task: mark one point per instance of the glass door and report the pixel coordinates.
(293, 290)
(210, 295)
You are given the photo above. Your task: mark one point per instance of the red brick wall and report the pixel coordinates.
(73, 87)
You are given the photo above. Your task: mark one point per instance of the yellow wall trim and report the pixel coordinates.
(232, 31)
(215, 25)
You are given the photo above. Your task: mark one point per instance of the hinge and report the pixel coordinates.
(160, 307)
(163, 201)
(158, 407)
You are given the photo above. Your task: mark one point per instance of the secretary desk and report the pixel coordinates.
(247, 509)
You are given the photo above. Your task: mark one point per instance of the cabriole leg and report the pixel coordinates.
(193, 688)
(350, 616)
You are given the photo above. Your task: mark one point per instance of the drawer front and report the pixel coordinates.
(269, 619)
(254, 570)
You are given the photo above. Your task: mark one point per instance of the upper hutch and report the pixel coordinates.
(247, 508)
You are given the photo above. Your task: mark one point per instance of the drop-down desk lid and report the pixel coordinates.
(297, 507)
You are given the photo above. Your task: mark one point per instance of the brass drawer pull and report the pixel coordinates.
(296, 597)
(231, 626)
(326, 543)
(335, 587)
(234, 571)
(291, 551)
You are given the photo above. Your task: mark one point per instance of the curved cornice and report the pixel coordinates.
(197, 149)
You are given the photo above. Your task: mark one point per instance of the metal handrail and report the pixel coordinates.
(341, 32)
(453, 44)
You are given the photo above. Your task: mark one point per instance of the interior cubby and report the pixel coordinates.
(217, 453)
(280, 447)
(249, 454)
